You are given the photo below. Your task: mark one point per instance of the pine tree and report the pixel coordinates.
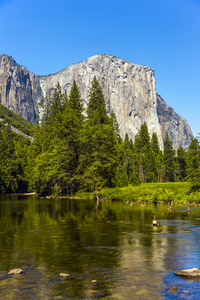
(115, 126)
(142, 145)
(54, 154)
(169, 158)
(99, 155)
(96, 108)
(72, 126)
(127, 166)
(154, 157)
(56, 102)
(193, 164)
(154, 143)
(181, 161)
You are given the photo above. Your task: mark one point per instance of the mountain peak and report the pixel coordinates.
(129, 89)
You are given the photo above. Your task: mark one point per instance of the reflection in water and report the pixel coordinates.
(109, 249)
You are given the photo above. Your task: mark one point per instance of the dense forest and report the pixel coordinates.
(76, 149)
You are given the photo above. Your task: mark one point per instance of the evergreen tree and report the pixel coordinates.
(155, 153)
(96, 108)
(56, 103)
(127, 167)
(169, 158)
(142, 144)
(99, 154)
(193, 164)
(12, 161)
(181, 161)
(72, 125)
(54, 155)
(115, 126)
(155, 144)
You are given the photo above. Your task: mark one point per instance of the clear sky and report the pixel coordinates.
(46, 36)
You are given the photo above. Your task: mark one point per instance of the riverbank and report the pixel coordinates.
(165, 192)
(151, 192)
(20, 194)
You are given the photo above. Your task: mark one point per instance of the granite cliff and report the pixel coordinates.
(20, 90)
(129, 90)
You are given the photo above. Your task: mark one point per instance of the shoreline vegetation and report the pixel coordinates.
(166, 192)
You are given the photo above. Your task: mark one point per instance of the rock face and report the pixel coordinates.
(129, 90)
(174, 124)
(19, 89)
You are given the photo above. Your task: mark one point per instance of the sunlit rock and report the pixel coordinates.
(15, 271)
(64, 275)
(155, 223)
(189, 273)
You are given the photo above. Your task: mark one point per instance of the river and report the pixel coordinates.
(109, 249)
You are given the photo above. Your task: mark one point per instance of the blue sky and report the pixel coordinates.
(47, 36)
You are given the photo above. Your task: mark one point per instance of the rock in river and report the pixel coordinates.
(15, 271)
(189, 273)
(64, 275)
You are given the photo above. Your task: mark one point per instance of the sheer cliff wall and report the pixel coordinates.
(129, 90)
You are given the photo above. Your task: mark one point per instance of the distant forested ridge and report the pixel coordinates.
(77, 150)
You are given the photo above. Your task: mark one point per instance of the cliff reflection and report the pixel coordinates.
(112, 243)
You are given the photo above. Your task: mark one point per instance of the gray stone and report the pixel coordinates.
(94, 281)
(189, 273)
(15, 271)
(64, 275)
(20, 90)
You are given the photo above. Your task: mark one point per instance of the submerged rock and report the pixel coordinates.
(189, 273)
(15, 271)
(94, 281)
(64, 275)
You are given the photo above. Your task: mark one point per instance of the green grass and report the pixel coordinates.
(153, 192)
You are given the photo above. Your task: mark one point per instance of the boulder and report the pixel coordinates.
(189, 273)
(15, 271)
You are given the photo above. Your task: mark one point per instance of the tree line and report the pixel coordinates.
(76, 149)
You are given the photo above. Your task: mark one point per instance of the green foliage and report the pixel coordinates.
(99, 152)
(143, 149)
(193, 164)
(98, 158)
(13, 154)
(96, 109)
(169, 192)
(169, 158)
(54, 154)
(181, 162)
(16, 121)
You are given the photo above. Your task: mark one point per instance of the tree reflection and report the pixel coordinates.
(110, 242)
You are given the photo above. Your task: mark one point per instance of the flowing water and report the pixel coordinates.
(109, 249)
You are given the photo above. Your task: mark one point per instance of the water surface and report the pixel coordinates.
(109, 249)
